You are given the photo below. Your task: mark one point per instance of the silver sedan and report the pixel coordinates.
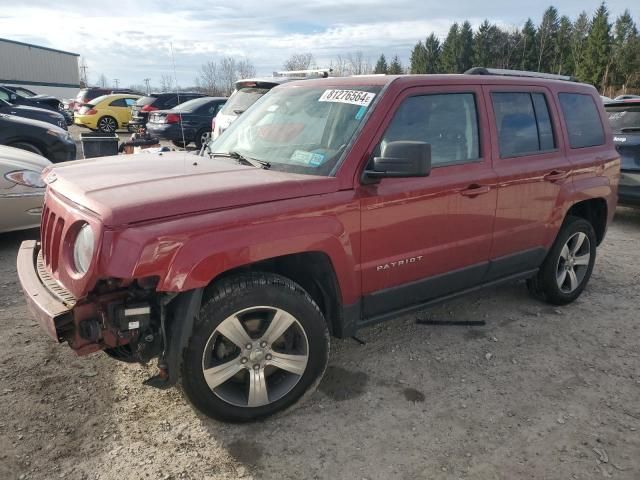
(21, 189)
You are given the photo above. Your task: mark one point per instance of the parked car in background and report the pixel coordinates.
(627, 97)
(42, 114)
(25, 92)
(188, 122)
(50, 141)
(21, 189)
(40, 101)
(249, 90)
(157, 101)
(107, 113)
(624, 118)
(85, 96)
(328, 206)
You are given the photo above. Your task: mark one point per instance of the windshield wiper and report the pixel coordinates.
(630, 129)
(254, 162)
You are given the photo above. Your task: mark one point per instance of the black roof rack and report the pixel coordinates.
(518, 73)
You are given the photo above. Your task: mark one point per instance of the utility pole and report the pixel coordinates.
(83, 75)
(116, 82)
(146, 82)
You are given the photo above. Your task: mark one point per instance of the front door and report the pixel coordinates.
(426, 237)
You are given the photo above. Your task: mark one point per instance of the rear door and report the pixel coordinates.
(425, 237)
(529, 160)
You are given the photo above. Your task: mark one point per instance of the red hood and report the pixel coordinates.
(132, 188)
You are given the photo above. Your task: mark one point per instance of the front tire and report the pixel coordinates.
(260, 344)
(567, 268)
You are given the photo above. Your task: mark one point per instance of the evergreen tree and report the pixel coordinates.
(485, 45)
(450, 56)
(578, 42)
(395, 68)
(381, 65)
(563, 63)
(596, 61)
(546, 39)
(466, 47)
(626, 51)
(418, 59)
(529, 56)
(432, 51)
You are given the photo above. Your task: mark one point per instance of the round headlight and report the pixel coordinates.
(83, 249)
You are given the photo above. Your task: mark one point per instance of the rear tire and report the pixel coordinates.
(29, 147)
(107, 124)
(567, 268)
(261, 343)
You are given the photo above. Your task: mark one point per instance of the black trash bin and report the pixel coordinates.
(97, 144)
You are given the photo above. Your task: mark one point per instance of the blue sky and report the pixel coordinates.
(132, 40)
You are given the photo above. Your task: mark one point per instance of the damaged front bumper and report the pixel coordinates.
(48, 302)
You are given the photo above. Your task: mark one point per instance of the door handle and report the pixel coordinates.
(474, 190)
(556, 175)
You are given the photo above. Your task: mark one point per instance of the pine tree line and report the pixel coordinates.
(590, 48)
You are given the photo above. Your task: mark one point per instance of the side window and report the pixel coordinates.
(171, 102)
(449, 122)
(523, 123)
(130, 102)
(582, 119)
(118, 103)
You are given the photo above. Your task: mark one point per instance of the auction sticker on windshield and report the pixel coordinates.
(354, 97)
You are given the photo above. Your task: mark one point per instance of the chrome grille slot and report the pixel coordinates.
(54, 287)
(47, 236)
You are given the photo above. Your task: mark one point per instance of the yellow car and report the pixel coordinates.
(106, 113)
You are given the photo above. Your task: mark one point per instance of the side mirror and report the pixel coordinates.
(401, 159)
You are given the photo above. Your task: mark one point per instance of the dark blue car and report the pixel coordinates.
(188, 122)
(624, 117)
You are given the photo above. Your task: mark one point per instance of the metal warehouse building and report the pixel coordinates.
(40, 69)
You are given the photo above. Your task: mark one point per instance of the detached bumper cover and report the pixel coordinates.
(49, 303)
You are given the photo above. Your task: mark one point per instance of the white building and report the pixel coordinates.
(43, 70)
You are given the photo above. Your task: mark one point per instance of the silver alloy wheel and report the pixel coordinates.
(255, 356)
(107, 124)
(204, 138)
(573, 262)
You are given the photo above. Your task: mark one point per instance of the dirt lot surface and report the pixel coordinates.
(538, 393)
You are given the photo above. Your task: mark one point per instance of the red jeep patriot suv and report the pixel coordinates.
(329, 205)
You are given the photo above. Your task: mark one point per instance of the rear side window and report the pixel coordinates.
(449, 122)
(582, 119)
(523, 123)
(119, 102)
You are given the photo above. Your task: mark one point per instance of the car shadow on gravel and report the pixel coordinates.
(628, 217)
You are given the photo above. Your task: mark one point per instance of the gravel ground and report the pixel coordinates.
(537, 393)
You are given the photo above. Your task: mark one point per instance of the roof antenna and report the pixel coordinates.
(175, 77)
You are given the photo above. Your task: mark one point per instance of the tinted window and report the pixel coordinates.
(192, 105)
(242, 99)
(130, 101)
(119, 102)
(545, 130)
(148, 100)
(523, 123)
(448, 122)
(624, 118)
(582, 119)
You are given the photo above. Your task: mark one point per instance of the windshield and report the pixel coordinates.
(623, 117)
(299, 129)
(242, 99)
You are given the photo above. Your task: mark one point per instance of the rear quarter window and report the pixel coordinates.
(583, 120)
